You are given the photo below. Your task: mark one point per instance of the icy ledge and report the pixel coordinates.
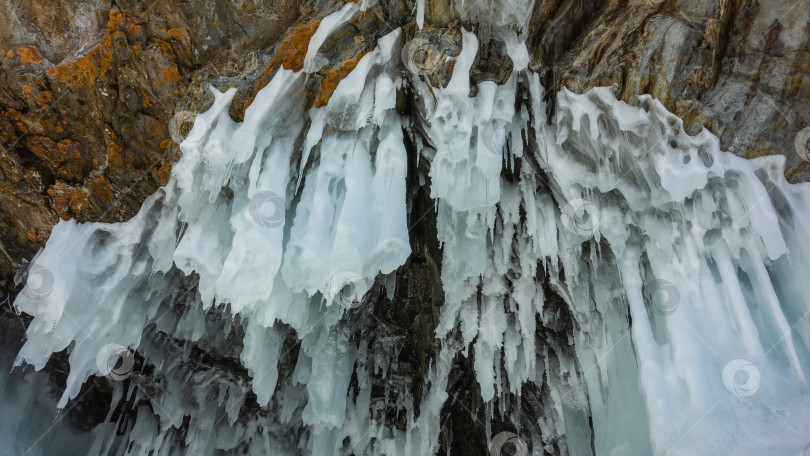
(679, 269)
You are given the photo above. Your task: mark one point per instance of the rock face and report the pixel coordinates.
(738, 68)
(93, 96)
(87, 93)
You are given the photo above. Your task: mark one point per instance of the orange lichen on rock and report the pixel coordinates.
(63, 157)
(157, 126)
(165, 47)
(32, 235)
(29, 54)
(171, 74)
(44, 97)
(100, 187)
(79, 200)
(147, 101)
(289, 54)
(67, 148)
(92, 66)
(10, 54)
(175, 34)
(115, 156)
(123, 23)
(67, 156)
(293, 48)
(333, 77)
(67, 200)
(164, 173)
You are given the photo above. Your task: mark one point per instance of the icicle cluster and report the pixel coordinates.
(680, 327)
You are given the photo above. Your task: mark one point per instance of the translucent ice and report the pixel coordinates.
(646, 286)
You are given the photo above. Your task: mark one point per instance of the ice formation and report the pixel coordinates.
(677, 270)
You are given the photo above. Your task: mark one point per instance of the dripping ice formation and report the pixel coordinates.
(647, 284)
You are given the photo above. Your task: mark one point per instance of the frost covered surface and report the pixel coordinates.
(679, 268)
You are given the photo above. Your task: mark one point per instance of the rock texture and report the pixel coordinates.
(88, 91)
(737, 67)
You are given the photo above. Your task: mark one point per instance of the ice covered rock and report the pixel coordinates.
(647, 284)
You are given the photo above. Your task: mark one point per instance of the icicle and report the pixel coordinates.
(705, 256)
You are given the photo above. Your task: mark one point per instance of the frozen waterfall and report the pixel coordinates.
(677, 325)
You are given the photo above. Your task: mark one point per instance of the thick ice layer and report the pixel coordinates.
(699, 249)
(648, 286)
